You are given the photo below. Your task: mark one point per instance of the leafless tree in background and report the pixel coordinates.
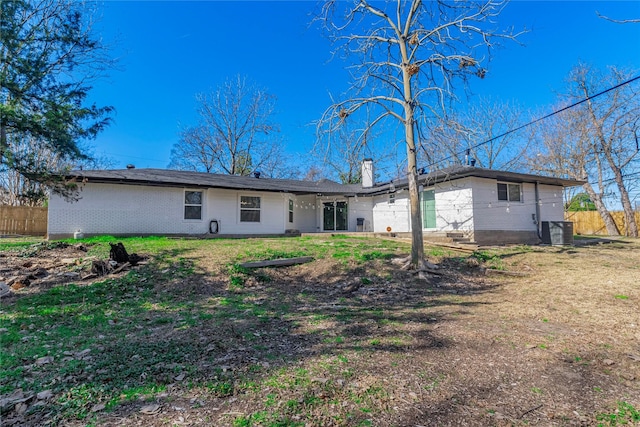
(474, 133)
(613, 123)
(597, 141)
(236, 134)
(563, 149)
(619, 21)
(410, 54)
(343, 150)
(17, 189)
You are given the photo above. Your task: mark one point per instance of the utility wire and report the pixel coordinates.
(613, 179)
(575, 104)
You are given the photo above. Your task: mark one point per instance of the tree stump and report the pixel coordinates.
(118, 253)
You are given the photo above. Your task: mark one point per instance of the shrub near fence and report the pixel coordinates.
(590, 222)
(23, 220)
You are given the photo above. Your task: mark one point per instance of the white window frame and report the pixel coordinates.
(185, 205)
(251, 209)
(509, 186)
(290, 211)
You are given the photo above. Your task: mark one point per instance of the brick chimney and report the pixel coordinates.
(367, 173)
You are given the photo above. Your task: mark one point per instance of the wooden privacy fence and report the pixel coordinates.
(23, 220)
(590, 222)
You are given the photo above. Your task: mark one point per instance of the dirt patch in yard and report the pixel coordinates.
(353, 341)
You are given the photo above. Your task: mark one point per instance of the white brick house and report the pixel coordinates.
(485, 205)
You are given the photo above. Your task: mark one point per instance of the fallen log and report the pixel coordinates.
(100, 268)
(122, 267)
(282, 262)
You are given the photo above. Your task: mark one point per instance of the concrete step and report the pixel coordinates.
(461, 240)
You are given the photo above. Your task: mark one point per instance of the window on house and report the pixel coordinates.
(249, 209)
(509, 192)
(392, 198)
(290, 210)
(193, 205)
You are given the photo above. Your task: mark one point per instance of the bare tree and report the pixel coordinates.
(313, 173)
(475, 134)
(343, 150)
(596, 141)
(236, 134)
(619, 21)
(562, 148)
(410, 55)
(17, 189)
(613, 124)
(195, 151)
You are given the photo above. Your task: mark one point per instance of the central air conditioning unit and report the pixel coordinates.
(557, 233)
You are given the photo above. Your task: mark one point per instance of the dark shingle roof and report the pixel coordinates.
(174, 178)
(460, 171)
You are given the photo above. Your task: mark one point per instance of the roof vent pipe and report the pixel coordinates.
(256, 174)
(131, 166)
(472, 162)
(367, 173)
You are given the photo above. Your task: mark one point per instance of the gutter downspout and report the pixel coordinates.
(538, 221)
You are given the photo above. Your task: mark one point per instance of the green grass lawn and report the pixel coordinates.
(128, 338)
(349, 339)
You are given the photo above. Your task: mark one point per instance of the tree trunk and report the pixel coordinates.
(606, 146)
(629, 214)
(612, 228)
(417, 242)
(4, 145)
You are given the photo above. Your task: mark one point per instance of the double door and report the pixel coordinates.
(334, 216)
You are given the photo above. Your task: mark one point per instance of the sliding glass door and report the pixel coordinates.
(334, 216)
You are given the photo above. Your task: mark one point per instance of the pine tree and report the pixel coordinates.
(48, 57)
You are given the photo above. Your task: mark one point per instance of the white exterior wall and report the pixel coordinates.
(469, 205)
(132, 209)
(454, 205)
(224, 205)
(304, 214)
(551, 202)
(123, 209)
(492, 214)
(360, 207)
(454, 209)
(472, 204)
(393, 215)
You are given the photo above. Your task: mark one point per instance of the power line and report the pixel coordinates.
(613, 179)
(575, 104)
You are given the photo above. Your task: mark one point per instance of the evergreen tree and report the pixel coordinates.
(48, 57)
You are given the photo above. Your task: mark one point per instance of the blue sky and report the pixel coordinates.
(168, 51)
